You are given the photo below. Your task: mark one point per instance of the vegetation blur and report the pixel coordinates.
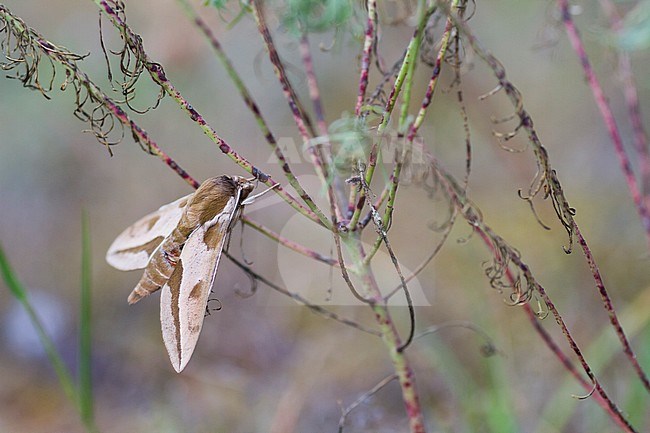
(492, 199)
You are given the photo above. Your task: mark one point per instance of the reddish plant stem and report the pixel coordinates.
(609, 307)
(546, 337)
(249, 101)
(566, 362)
(287, 88)
(157, 73)
(299, 116)
(143, 137)
(407, 64)
(314, 94)
(62, 57)
(312, 83)
(414, 127)
(549, 177)
(607, 115)
(428, 96)
(633, 106)
(368, 42)
(402, 369)
(490, 238)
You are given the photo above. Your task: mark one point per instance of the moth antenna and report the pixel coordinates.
(252, 198)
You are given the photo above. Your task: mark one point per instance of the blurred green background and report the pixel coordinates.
(264, 363)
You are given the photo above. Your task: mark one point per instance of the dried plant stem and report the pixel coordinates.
(547, 176)
(157, 73)
(382, 232)
(336, 193)
(378, 203)
(430, 257)
(250, 103)
(568, 365)
(610, 122)
(62, 57)
(363, 398)
(314, 92)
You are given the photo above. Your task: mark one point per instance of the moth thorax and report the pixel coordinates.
(209, 200)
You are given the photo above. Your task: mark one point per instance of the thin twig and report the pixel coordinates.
(408, 64)
(632, 100)
(611, 311)
(363, 398)
(299, 248)
(296, 297)
(415, 126)
(335, 193)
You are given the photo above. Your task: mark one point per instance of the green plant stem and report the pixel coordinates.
(413, 129)
(389, 333)
(410, 60)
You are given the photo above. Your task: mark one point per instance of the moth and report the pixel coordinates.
(179, 247)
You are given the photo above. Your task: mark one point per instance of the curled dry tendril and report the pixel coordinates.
(132, 61)
(34, 60)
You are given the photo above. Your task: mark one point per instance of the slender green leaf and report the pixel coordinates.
(85, 329)
(18, 290)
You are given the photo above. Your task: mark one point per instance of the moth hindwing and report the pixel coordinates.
(179, 246)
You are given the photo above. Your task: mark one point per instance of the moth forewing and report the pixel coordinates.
(184, 298)
(135, 245)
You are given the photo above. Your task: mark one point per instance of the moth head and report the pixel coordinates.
(245, 185)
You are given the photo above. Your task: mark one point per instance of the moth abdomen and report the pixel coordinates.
(159, 269)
